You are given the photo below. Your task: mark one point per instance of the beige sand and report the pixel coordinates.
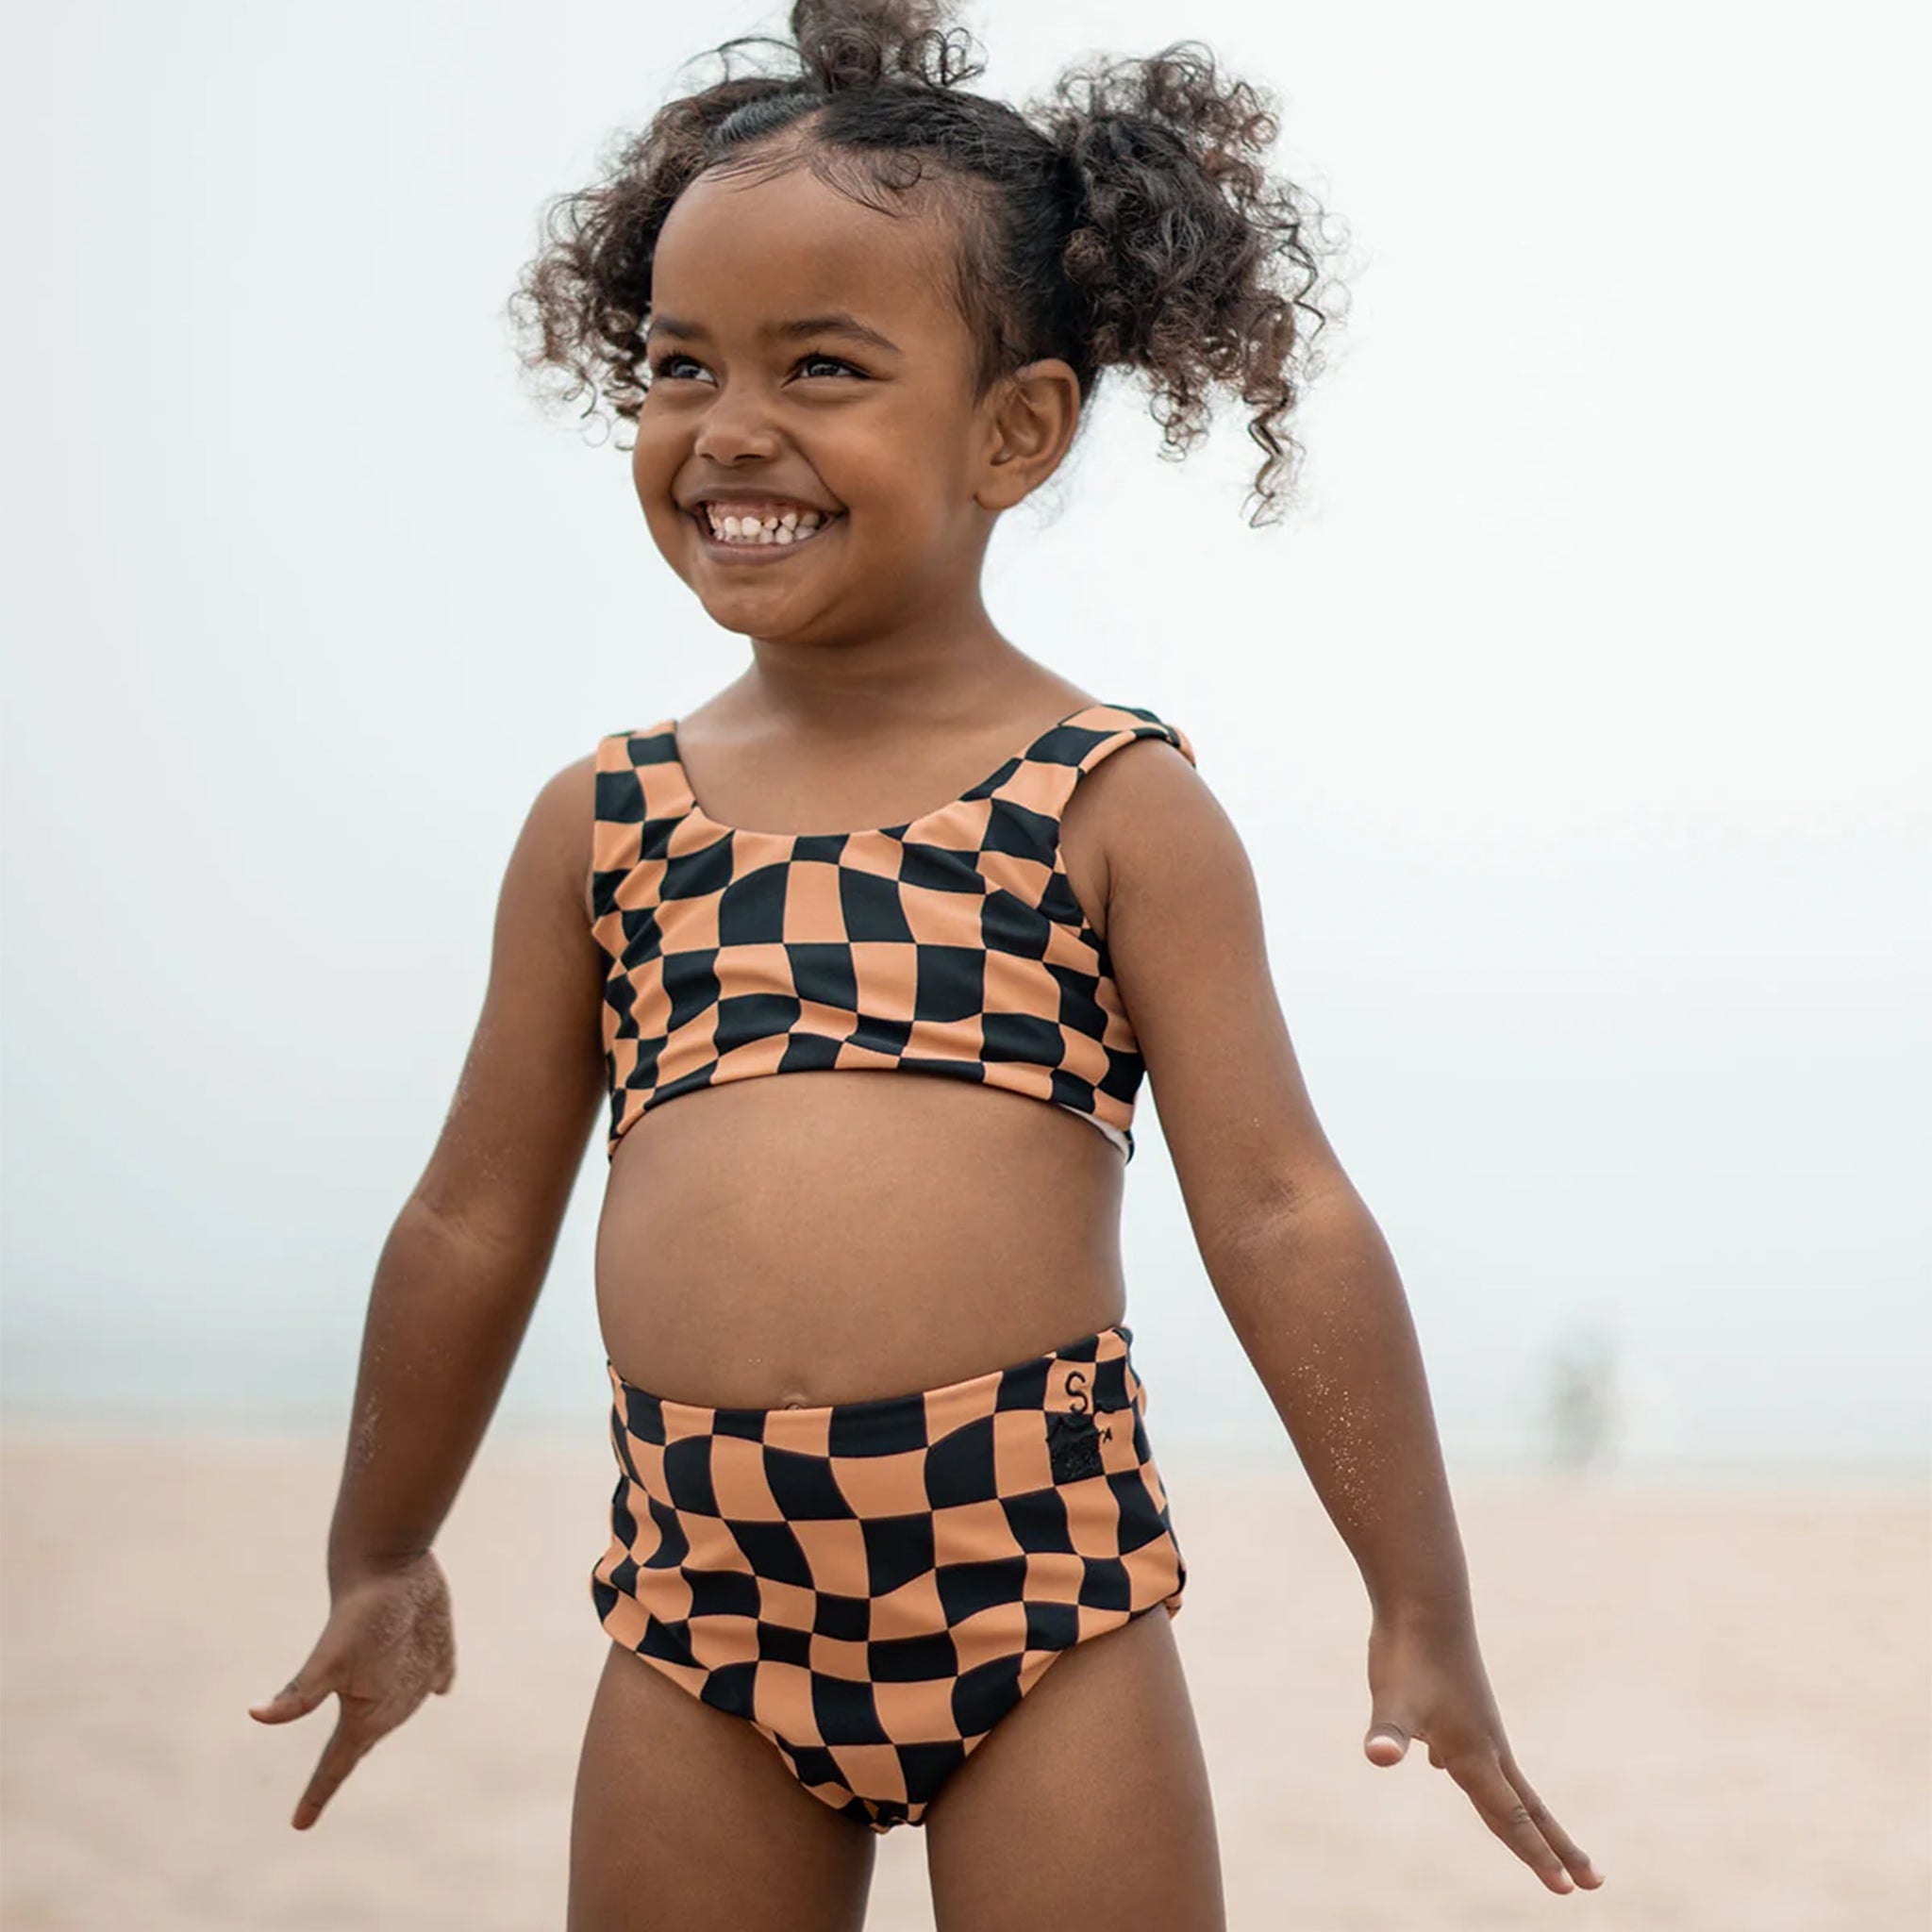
(1724, 1694)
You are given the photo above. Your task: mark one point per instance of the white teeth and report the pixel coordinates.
(786, 526)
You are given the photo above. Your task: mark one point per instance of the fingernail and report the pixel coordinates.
(1564, 1882)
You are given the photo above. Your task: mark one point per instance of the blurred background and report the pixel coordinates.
(1574, 725)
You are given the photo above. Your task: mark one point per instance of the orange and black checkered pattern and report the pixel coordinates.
(951, 945)
(874, 1585)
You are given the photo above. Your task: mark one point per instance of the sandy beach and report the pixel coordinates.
(1723, 1693)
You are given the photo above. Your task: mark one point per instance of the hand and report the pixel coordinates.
(387, 1644)
(1426, 1680)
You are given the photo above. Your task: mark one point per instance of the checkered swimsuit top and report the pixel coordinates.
(951, 945)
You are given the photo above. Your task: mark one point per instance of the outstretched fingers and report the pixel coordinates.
(1503, 1798)
(389, 1644)
(347, 1746)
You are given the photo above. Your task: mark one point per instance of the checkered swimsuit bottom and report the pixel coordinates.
(874, 1585)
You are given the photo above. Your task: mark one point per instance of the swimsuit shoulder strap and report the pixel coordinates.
(1046, 774)
(639, 797)
(637, 775)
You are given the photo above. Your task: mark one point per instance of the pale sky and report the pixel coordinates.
(1574, 722)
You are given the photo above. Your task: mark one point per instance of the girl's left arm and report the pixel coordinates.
(1302, 1270)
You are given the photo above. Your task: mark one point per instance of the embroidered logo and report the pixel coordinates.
(1074, 1445)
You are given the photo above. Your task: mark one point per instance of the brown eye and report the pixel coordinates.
(662, 365)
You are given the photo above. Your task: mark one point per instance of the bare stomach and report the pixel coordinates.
(803, 1239)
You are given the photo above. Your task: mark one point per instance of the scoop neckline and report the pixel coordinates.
(692, 809)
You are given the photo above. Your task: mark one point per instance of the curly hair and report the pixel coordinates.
(1126, 220)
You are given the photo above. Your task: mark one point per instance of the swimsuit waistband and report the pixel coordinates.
(1093, 1372)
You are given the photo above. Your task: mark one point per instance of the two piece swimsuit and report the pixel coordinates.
(872, 1584)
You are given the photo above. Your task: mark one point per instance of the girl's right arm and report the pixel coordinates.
(457, 1278)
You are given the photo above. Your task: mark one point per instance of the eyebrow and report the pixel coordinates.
(837, 323)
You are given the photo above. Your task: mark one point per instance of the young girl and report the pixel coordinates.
(887, 1528)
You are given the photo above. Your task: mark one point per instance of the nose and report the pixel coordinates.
(733, 428)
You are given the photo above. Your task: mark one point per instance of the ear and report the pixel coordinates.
(1033, 423)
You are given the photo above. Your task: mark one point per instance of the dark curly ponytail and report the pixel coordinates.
(1126, 220)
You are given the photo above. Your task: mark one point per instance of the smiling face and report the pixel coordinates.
(880, 427)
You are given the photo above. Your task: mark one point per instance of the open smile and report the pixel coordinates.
(756, 551)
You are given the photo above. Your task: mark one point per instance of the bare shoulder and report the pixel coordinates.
(530, 1085)
(1187, 942)
(564, 814)
(546, 881)
(1142, 805)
